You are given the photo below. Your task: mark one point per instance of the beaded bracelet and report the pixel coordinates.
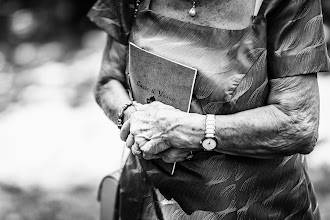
(120, 116)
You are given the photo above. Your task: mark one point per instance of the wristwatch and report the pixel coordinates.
(209, 142)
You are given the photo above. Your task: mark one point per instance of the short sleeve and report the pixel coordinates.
(295, 38)
(114, 17)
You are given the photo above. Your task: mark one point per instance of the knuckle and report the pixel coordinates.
(148, 156)
(172, 156)
(155, 103)
(167, 160)
(180, 159)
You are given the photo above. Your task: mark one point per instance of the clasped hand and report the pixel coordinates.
(148, 133)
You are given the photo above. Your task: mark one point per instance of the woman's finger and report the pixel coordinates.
(154, 146)
(160, 105)
(125, 130)
(174, 160)
(141, 140)
(150, 156)
(136, 150)
(130, 141)
(139, 106)
(175, 155)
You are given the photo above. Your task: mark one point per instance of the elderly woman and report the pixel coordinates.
(254, 112)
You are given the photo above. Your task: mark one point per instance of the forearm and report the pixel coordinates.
(111, 88)
(261, 133)
(264, 132)
(111, 97)
(285, 126)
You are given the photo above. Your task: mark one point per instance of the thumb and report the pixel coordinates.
(125, 130)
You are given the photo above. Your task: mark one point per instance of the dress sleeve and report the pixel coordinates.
(114, 17)
(296, 41)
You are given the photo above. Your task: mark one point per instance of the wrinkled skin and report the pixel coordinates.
(288, 124)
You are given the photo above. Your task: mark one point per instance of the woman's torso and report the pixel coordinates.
(232, 77)
(231, 64)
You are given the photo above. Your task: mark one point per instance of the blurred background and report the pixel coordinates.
(55, 142)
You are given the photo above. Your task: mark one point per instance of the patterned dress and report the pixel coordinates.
(234, 69)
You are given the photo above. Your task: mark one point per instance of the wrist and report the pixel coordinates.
(188, 130)
(121, 114)
(209, 142)
(128, 112)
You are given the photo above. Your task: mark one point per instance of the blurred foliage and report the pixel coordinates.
(48, 35)
(326, 11)
(38, 204)
(43, 21)
(27, 27)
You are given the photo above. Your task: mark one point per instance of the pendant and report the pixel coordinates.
(192, 11)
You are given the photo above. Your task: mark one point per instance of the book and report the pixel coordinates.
(156, 78)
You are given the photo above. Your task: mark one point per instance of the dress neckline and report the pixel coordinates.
(145, 6)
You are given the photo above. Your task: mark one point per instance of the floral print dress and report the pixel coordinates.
(234, 70)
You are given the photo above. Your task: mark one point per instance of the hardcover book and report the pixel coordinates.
(155, 78)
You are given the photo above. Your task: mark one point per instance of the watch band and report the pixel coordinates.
(210, 126)
(209, 142)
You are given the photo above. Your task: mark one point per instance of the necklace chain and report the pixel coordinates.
(192, 12)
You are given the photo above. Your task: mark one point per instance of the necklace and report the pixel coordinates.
(192, 12)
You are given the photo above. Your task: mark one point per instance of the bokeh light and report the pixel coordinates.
(25, 54)
(23, 23)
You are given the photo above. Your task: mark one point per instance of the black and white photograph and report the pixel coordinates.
(164, 110)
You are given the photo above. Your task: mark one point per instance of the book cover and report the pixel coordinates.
(155, 78)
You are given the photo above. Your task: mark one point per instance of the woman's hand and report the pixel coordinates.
(172, 155)
(146, 128)
(156, 127)
(128, 112)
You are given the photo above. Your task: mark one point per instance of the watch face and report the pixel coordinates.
(209, 144)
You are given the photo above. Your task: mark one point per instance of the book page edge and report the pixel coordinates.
(192, 90)
(134, 45)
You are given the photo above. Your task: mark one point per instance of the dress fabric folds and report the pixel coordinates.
(234, 70)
